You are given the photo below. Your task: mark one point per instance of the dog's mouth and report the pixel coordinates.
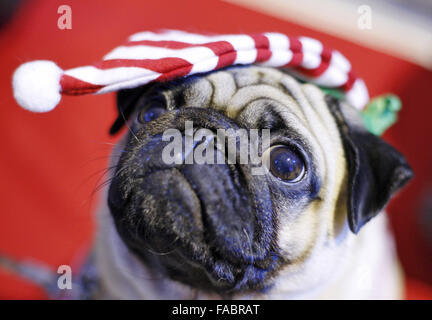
(200, 224)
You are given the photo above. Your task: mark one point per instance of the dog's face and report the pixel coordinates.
(220, 227)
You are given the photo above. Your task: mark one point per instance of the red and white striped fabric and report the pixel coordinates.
(169, 54)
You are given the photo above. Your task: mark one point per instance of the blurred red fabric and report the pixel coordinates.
(53, 163)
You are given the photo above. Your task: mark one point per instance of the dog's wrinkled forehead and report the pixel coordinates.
(229, 91)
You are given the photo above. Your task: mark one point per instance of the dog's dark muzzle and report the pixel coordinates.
(197, 223)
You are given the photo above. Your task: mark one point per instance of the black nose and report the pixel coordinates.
(227, 212)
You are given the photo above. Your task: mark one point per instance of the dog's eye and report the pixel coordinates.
(150, 114)
(286, 164)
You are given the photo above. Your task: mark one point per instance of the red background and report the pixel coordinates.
(51, 164)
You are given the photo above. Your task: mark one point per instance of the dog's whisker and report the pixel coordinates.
(101, 186)
(249, 242)
(159, 253)
(107, 157)
(104, 143)
(101, 173)
(98, 184)
(127, 125)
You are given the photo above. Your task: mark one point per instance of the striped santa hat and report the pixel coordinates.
(165, 55)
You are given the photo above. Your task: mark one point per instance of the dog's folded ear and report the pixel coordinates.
(375, 169)
(126, 102)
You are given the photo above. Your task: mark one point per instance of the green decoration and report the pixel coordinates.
(381, 113)
(338, 94)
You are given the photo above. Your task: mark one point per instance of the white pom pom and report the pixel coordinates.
(36, 85)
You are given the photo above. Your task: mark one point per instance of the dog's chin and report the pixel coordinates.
(196, 224)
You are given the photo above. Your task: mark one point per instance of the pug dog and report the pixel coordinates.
(311, 226)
